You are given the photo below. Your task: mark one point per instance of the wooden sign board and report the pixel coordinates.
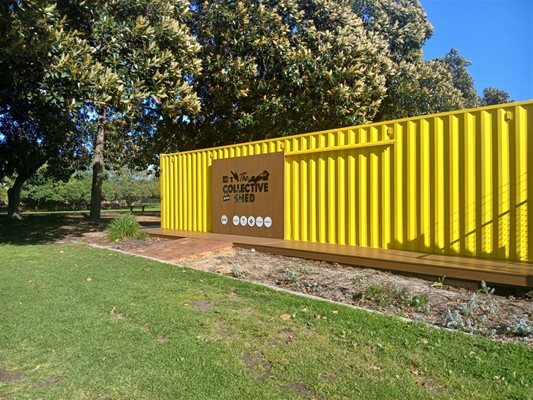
(248, 195)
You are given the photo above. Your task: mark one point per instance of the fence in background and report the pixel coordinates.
(450, 183)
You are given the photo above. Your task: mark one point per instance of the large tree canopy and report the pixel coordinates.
(414, 86)
(111, 62)
(461, 78)
(36, 119)
(492, 96)
(282, 66)
(402, 24)
(132, 58)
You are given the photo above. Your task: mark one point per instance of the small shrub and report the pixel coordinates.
(125, 226)
(373, 291)
(439, 283)
(378, 294)
(401, 296)
(522, 327)
(237, 272)
(473, 315)
(291, 275)
(419, 301)
(305, 270)
(311, 285)
(487, 290)
(398, 297)
(357, 281)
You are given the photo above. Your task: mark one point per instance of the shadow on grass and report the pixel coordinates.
(49, 228)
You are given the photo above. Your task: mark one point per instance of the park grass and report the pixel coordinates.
(84, 323)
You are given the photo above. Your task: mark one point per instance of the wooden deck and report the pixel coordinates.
(500, 272)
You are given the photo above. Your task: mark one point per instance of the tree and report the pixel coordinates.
(131, 56)
(403, 24)
(131, 186)
(462, 80)
(26, 144)
(36, 123)
(414, 86)
(493, 96)
(277, 67)
(420, 88)
(44, 191)
(77, 191)
(102, 64)
(41, 191)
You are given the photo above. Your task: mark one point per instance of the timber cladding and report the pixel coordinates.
(248, 195)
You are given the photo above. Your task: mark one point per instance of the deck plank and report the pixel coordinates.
(458, 267)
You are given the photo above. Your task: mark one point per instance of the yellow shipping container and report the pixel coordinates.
(449, 183)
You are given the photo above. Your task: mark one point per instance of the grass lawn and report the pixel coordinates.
(84, 323)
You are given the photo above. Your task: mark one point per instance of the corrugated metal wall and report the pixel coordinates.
(451, 183)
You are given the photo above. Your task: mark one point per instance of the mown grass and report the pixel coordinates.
(84, 323)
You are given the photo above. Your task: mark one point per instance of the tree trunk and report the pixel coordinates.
(98, 168)
(13, 196)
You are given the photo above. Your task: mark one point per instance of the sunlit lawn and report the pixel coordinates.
(84, 323)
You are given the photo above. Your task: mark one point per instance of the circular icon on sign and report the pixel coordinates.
(259, 222)
(268, 222)
(224, 219)
(236, 220)
(244, 220)
(251, 221)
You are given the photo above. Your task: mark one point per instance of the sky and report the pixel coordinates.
(496, 36)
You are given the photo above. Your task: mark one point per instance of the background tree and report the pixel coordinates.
(403, 24)
(277, 67)
(4, 185)
(36, 123)
(461, 78)
(26, 144)
(132, 56)
(41, 191)
(122, 187)
(414, 86)
(76, 193)
(493, 96)
(131, 186)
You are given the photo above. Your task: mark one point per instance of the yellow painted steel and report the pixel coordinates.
(450, 183)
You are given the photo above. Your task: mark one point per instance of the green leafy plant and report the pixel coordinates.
(378, 294)
(420, 301)
(306, 270)
(400, 297)
(125, 226)
(439, 283)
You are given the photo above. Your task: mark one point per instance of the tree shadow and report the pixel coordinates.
(46, 228)
(50, 228)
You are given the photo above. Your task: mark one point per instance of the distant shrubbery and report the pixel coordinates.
(121, 189)
(3, 194)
